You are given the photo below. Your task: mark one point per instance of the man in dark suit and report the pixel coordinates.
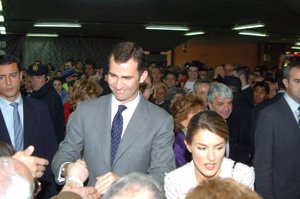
(44, 91)
(277, 142)
(34, 120)
(141, 145)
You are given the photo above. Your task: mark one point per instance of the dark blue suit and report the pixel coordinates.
(39, 132)
(277, 148)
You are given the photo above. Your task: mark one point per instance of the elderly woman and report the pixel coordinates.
(183, 110)
(206, 139)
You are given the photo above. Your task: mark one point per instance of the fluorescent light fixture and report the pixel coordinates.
(252, 33)
(41, 35)
(248, 26)
(295, 47)
(1, 8)
(167, 27)
(2, 32)
(57, 24)
(194, 33)
(1, 18)
(2, 28)
(297, 43)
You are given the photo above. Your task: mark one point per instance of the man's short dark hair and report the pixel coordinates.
(124, 51)
(264, 85)
(9, 59)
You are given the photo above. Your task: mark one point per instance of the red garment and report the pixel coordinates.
(67, 110)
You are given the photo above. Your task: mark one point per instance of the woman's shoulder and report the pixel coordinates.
(243, 174)
(185, 170)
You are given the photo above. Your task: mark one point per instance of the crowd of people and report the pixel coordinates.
(143, 131)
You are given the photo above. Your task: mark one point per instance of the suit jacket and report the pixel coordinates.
(146, 145)
(39, 132)
(239, 125)
(49, 95)
(277, 149)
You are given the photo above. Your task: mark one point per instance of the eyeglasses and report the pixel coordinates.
(37, 187)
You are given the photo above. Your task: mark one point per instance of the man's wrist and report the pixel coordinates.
(64, 169)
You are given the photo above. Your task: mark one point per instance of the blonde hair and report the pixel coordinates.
(84, 89)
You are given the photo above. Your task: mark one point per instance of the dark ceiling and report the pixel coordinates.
(125, 19)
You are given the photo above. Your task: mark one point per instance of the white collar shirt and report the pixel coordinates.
(293, 105)
(127, 113)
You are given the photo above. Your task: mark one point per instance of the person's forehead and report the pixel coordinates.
(222, 99)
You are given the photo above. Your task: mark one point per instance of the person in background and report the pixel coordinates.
(260, 93)
(221, 189)
(193, 74)
(183, 110)
(147, 87)
(44, 91)
(207, 134)
(82, 90)
(200, 90)
(89, 68)
(57, 84)
(171, 79)
(173, 95)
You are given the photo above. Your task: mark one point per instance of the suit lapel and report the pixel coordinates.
(28, 120)
(103, 125)
(135, 128)
(289, 118)
(4, 136)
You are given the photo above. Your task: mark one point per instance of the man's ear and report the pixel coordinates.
(285, 83)
(143, 76)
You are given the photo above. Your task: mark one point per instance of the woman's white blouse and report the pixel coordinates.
(180, 181)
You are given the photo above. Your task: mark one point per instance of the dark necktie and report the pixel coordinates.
(18, 130)
(299, 117)
(116, 132)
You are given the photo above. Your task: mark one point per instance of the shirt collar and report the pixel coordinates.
(292, 103)
(132, 104)
(5, 103)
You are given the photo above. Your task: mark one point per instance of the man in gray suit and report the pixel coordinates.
(147, 130)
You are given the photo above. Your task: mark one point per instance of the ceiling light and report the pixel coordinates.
(295, 47)
(248, 26)
(57, 24)
(297, 43)
(167, 27)
(2, 32)
(41, 35)
(1, 8)
(194, 33)
(1, 18)
(2, 28)
(252, 33)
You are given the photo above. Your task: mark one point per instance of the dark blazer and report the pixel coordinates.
(239, 125)
(49, 95)
(277, 149)
(39, 132)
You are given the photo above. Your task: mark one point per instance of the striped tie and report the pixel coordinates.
(18, 130)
